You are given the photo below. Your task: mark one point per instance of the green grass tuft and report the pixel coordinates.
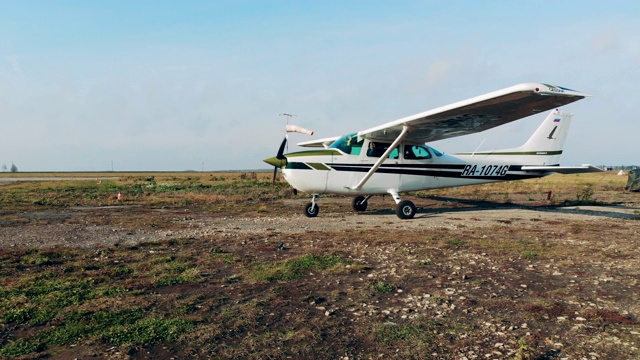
(148, 332)
(294, 268)
(382, 286)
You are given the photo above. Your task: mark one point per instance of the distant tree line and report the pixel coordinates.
(13, 168)
(620, 167)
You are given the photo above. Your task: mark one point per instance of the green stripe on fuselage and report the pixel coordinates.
(323, 152)
(307, 166)
(319, 166)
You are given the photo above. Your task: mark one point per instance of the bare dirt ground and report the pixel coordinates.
(81, 226)
(465, 279)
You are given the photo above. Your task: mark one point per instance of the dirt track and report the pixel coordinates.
(74, 227)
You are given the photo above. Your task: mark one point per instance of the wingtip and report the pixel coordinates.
(559, 90)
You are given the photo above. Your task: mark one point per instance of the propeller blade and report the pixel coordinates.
(280, 154)
(275, 172)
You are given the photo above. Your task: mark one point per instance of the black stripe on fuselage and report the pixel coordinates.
(437, 170)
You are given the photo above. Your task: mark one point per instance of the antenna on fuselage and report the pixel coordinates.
(474, 151)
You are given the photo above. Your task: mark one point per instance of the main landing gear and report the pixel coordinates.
(405, 209)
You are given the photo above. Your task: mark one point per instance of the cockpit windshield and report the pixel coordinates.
(349, 144)
(435, 152)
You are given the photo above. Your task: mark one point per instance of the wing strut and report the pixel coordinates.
(374, 168)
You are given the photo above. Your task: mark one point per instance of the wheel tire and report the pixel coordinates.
(405, 210)
(311, 210)
(358, 204)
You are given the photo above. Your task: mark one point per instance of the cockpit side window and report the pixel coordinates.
(349, 144)
(416, 152)
(377, 149)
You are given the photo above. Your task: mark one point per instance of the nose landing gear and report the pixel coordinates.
(312, 209)
(359, 203)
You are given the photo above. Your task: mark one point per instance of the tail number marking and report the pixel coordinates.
(485, 170)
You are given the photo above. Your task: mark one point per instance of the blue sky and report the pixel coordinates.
(168, 85)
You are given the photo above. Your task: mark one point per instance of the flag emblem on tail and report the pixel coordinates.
(556, 120)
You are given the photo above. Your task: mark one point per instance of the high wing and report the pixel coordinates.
(476, 114)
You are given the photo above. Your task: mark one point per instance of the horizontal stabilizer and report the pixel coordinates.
(564, 169)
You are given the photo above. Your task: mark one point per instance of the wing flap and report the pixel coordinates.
(477, 114)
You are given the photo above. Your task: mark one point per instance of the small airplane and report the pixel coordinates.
(393, 158)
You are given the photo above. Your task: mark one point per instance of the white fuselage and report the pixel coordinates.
(334, 171)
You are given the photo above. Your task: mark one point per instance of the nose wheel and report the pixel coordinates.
(359, 203)
(312, 209)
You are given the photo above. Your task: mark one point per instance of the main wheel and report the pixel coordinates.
(359, 204)
(405, 209)
(311, 210)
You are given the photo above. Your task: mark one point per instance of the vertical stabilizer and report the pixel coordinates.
(550, 136)
(544, 147)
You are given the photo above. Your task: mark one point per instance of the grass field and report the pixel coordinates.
(180, 188)
(515, 289)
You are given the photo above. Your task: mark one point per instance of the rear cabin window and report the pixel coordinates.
(349, 144)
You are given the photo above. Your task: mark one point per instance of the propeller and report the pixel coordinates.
(279, 160)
